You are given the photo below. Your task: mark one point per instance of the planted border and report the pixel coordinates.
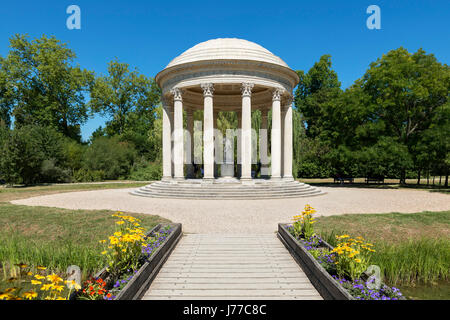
(142, 279)
(325, 284)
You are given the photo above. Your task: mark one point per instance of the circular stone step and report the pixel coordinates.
(229, 189)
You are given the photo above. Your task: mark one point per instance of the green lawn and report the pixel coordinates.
(412, 250)
(18, 192)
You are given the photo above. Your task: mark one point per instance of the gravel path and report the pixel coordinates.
(248, 216)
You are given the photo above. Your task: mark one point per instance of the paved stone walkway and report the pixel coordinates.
(236, 267)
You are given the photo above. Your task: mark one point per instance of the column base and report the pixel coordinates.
(207, 180)
(178, 179)
(167, 179)
(288, 178)
(247, 180)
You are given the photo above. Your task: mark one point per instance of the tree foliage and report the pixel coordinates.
(42, 86)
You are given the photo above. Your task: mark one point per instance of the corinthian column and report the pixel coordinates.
(190, 143)
(287, 170)
(208, 132)
(246, 133)
(167, 138)
(276, 134)
(178, 134)
(263, 152)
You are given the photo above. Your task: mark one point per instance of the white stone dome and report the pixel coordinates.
(227, 49)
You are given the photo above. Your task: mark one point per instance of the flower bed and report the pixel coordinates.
(134, 259)
(337, 273)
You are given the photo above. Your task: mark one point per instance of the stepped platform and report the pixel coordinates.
(227, 188)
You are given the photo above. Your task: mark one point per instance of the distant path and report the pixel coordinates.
(247, 216)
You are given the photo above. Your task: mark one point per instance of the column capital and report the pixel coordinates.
(246, 89)
(177, 94)
(276, 94)
(208, 89)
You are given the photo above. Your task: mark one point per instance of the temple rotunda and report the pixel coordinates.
(202, 162)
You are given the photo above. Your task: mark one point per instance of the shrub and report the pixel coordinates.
(84, 175)
(24, 153)
(52, 173)
(111, 156)
(146, 171)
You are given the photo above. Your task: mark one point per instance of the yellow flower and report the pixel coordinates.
(41, 268)
(21, 265)
(73, 285)
(104, 252)
(35, 282)
(39, 277)
(120, 222)
(4, 296)
(58, 288)
(358, 260)
(54, 278)
(29, 294)
(46, 287)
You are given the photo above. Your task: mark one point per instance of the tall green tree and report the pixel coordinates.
(316, 90)
(5, 99)
(406, 90)
(43, 86)
(125, 96)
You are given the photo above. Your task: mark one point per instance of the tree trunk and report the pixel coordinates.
(418, 177)
(446, 180)
(402, 177)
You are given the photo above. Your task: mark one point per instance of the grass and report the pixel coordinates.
(57, 238)
(412, 249)
(19, 192)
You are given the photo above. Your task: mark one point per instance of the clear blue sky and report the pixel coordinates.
(148, 34)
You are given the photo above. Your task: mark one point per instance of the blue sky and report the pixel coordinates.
(148, 34)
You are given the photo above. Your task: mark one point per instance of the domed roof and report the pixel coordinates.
(227, 49)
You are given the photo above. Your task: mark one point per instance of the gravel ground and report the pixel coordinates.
(248, 216)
